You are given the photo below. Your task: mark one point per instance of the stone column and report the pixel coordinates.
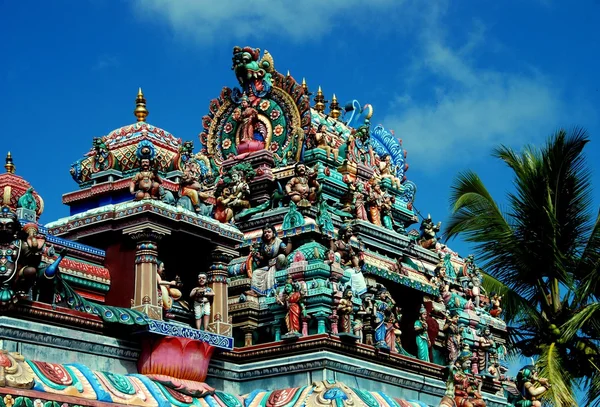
(145, 297)
(321, 318)
(217, 278)
(248, 330)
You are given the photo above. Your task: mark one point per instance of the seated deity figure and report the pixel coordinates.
(267, 257)
(167, 290)
(202, 296)
(324, 142)
(303, 188)
(240, 191)
(146, 183)
(466, 389)
(387, 170)
(349, 258)
(190, 186)
(495, 309)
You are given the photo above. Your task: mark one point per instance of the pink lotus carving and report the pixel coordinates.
(181, 358)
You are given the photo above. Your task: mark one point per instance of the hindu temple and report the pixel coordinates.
(276, 260)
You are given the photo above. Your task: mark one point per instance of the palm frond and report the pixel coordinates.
(588, 266)
(592, 384)
(477, 217)
(588, 318)
(552, 367)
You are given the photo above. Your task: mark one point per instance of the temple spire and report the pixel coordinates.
(320, 101)
(334, 108)
(10, 166)
(140, 107)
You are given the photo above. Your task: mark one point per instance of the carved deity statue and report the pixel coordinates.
(27, 201)
(423, 342)
(528, 389)
(202, 295)
(375, 204)
(240, 192)
(21, 252)
(495, 309)
(168, 291)
(102, 155)
(250, 139)
(191, 186)
(344, 310)
(387, 169)
(146, 183)
(291, 298)
(387, 204)
(303, 188)
(265, 258)
(486, 351)
(453, 337)
(360, 209)
(428, 238)
(323, 141)
(223, 211)
(386, 319)
(349, 258)
(463, 389)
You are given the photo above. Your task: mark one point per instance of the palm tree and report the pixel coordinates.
(542, 255)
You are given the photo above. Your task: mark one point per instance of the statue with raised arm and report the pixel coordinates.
(528, 389)
(168, 291)
(428, 238)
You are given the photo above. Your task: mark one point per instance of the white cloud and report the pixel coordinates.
(106, 61)
(472, 108)
(206, 20)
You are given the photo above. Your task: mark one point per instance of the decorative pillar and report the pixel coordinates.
(145, 297)
(277, 330)
(368, 329)
(217, 278)
(321, 318)
(305, 320)
(248, 335)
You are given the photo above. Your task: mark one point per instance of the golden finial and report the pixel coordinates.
(288, 73)
(304, 86)
(320, 101)
(140, 107)
(334, 108)
(10, 167)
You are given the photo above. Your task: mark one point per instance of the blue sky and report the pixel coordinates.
(452, 78)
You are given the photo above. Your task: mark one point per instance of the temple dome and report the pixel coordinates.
(13, 187)
(118, 150)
